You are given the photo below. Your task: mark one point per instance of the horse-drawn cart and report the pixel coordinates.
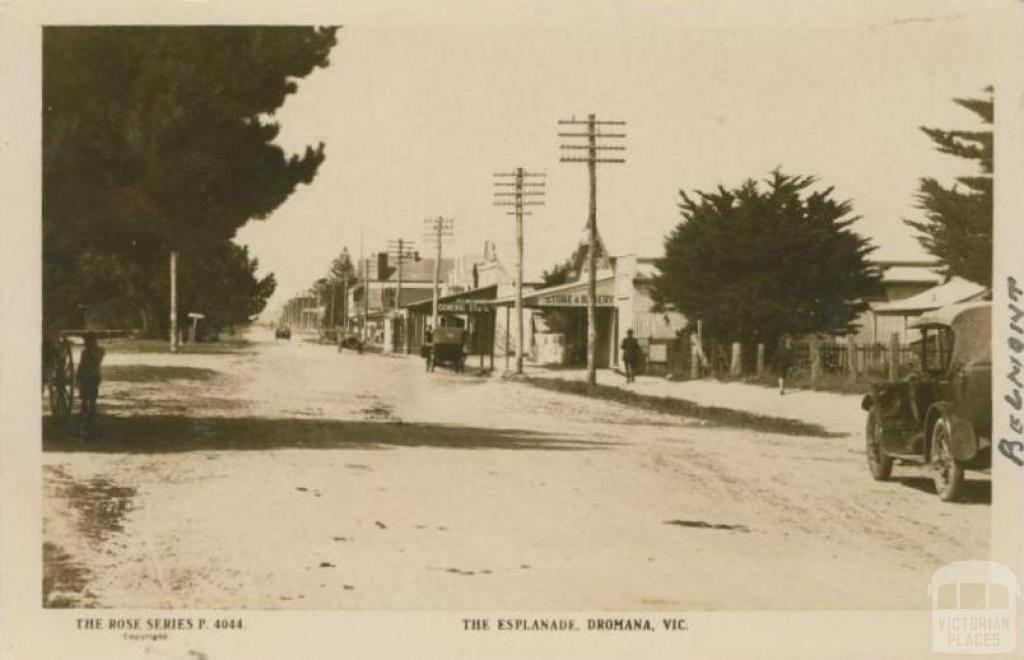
(59, 367)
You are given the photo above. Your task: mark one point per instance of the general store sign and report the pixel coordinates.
(463, 307)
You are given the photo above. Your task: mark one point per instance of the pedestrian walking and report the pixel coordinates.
(783, 361)
(427, 349)
(89, 377)
(630, 355)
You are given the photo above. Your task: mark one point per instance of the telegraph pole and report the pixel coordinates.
(438, 229)
(528, 185)
(401, 249)
(174, 301)
(592, 148)
(365, 271)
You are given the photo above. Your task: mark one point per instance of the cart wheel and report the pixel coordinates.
(61, 381)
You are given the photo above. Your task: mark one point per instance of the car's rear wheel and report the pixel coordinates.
(879, 464)
(947, 473)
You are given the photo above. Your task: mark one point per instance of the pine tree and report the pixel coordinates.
(957, 225)
(342, 268)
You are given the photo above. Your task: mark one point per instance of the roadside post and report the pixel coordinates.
(736, 362)
(894, 356)
(815, 358)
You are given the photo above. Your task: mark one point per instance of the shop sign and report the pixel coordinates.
(463, 307)
(573, 300)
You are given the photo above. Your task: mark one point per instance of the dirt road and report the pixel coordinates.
(286, 475)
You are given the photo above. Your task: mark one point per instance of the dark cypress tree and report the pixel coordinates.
(957, 225)
(161, 138)
(758, 261)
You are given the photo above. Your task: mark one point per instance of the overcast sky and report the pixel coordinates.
(423, 102)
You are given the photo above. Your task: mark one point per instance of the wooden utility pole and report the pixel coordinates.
(591, 159)
(401, 249)
(364, 269)
(344, 301)
(438, 229)
(174, 301)
(528, 188)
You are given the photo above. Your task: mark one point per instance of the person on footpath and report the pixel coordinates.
(89, 377)
(783, 361)
(630, 355)
(427, 349)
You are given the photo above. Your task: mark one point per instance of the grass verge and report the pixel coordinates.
(713, 415)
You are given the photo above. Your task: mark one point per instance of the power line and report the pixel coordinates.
(592, 158)
(402, 250)
(528, 190)
(438, 228)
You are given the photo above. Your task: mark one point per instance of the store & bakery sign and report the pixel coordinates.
(573, 300)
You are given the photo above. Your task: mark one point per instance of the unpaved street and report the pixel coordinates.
(286, 475)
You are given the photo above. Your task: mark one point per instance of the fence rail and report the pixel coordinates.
(809, 357)
(836, 358)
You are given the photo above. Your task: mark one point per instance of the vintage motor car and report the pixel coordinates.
(448, 349)
(283, 332)
(940, 415)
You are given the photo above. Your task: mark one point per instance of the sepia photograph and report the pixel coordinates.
(626, 309)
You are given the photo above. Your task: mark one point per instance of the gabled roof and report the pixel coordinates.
(421, 270)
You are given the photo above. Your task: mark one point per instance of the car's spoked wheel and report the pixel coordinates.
(947, 473)
(879, 464)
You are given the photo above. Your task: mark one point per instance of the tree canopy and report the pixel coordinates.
(342, 268)
(161, 138)
(957, 225)
(762, 260)
(559, 273)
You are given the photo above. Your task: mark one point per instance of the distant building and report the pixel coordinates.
(375, 299)
(910, 288)
(480, 296)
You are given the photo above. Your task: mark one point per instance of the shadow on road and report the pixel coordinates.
(975, 491)
(712, 415)
(143, 373)
(179, 433)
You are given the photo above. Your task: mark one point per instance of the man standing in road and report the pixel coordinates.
(89, 376)
(630, 355)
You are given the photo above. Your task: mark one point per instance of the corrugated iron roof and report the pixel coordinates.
(954, 291)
